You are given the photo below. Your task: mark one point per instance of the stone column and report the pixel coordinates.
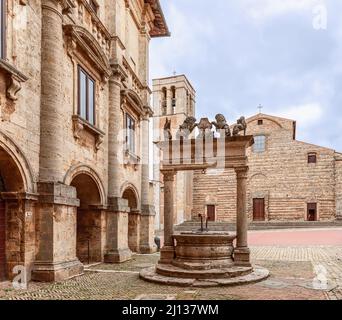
(241, 252)
(57, 208)
(148, 213)
(168, 251)
(51, 114)
(117, 214)
(117, 232)
(115, 143)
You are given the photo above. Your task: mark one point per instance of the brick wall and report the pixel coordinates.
(281, 176)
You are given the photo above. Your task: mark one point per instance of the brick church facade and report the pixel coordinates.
(74, 109)
(288, 180)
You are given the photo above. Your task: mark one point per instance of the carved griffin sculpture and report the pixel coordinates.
(241, 125)
(221, 125)
(186, 128)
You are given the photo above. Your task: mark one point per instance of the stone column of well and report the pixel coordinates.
(117, 214)
(56, 257)
(168, 251)
(148, 212)
(241, 252)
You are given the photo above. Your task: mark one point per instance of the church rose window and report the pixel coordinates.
(86, 96)
(259, 144)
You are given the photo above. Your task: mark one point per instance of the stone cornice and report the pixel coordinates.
(158, 25)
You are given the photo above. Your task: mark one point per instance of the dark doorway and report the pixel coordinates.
(312, 212)
(211, 213)
(258, 209)
(2, 241)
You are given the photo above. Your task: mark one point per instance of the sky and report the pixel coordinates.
(283, 54)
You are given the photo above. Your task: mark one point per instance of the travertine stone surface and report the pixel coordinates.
(48, 148)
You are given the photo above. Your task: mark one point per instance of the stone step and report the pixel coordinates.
(229, 272)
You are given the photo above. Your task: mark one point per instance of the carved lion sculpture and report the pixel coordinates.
(186, 128)
(240, 126)
(222, 125)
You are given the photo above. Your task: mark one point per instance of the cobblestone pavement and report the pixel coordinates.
(292, 273)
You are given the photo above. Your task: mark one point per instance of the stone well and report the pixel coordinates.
(203, 259)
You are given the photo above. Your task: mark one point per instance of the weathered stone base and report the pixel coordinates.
(167, 254)
(118, 256)
(51, 272)
(258, 274)
(148, 249)
(242, 257)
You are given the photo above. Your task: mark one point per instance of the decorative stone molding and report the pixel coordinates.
(15, 79)
(78, 37)
(131, 159)
(85, 12)
(67, 6)
(80, 124)
(23, 2)
(133, 99)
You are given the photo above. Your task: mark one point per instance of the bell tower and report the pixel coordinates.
(174, 98)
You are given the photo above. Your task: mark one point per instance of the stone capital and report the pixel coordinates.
(148, 210)
(241, 172)
(60, 7)
(169, 175)
(116, 204)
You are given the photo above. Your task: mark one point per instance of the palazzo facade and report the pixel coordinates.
(75, 112)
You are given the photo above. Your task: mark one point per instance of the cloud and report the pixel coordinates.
(239, 54)
(263, 9)
(307, 115)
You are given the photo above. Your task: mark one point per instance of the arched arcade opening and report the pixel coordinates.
(12, 212)
(133, 219)
(90, 228)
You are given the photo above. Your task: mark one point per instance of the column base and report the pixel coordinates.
(118, 256)
(167, 254)
(148, 249)
(52, 272)
(242, 257)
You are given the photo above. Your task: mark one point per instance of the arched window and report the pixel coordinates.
(259, 144)
(173, 101)
(164, 102)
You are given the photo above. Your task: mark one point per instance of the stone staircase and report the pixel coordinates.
(223, 226)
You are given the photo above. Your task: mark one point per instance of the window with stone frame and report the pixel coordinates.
(259, 144)
(3, 29)
(130, 134)
(312, 158)
(86, 96)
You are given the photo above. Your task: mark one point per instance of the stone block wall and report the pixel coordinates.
(281, 176)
